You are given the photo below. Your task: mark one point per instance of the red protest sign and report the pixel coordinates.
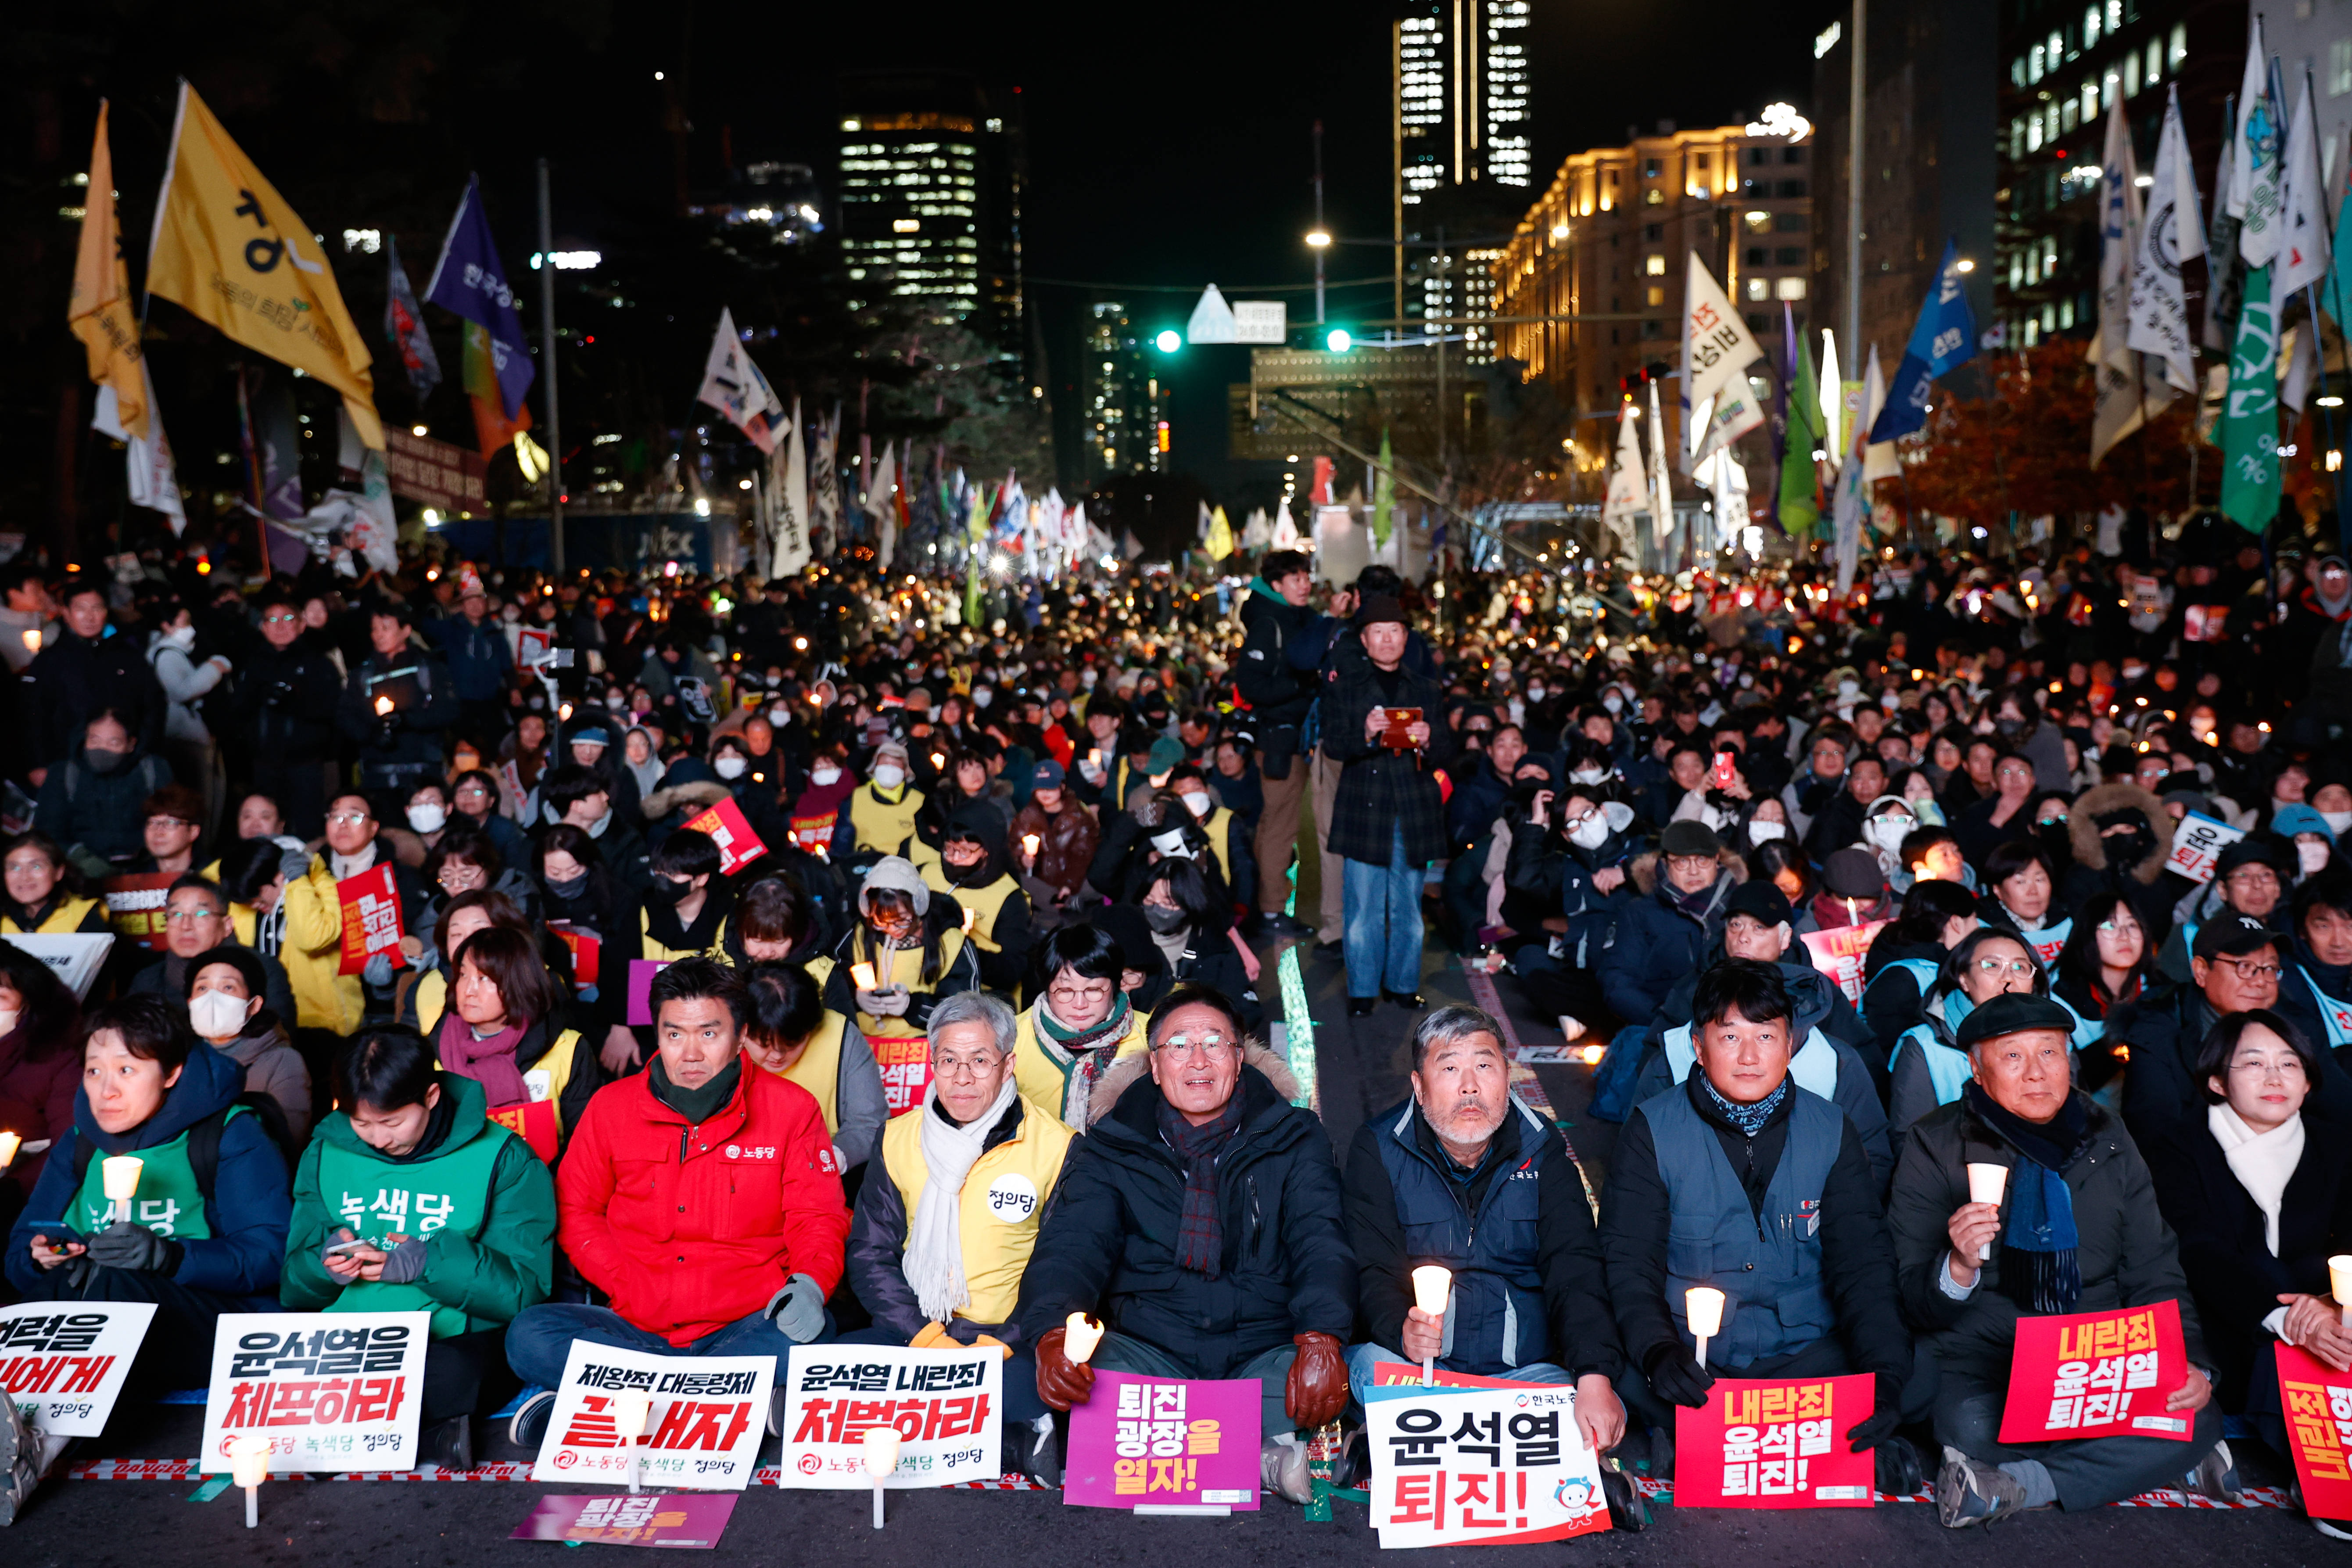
(906, 1063)
(2317, 1402)
(371, 903)
(533, 1121)
(1839, 954)
(2097, 1374)
(738, 845)
(587, 949)
(134, 905)
(815, 834)
(1775, 1443)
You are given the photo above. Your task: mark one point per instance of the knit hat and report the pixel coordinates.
(1759, 900)
(897, 873)
(2010, 1013)
(1378, 607)
(1689, 837)
(1852, 874)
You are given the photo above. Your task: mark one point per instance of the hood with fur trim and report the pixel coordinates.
(677, 797)
(2082, 826)
(1121, 1075)
(1643, 869)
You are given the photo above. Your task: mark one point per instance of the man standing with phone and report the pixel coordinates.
(1279, 690)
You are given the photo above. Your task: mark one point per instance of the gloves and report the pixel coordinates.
(1061, 1382)
(135, 1250)
(294, 865)
(1675, 1375)
(1886, 1414)
(378, 972)
(797, 1309)
(1316, 1390)
(891, 1004)
(405, 1264)
(980, 1340)
(931, 1337)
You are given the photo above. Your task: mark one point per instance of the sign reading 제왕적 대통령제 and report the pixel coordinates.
(703, 1425)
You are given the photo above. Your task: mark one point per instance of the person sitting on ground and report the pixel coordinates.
(793, 1034)
(505, 1029)
(1199, 1219)
(1907, 955)
(973, 867)
(228, 1002)
(1081, 1022)
(1436, 1180)
(451, 1214)
(1192, 924)
(92, 800)
(2078, 1230)
(911, 948)
(2020, 888)
(2320, 952)
(2107, 963)
(1746, 1181)
(944, 1231)
(41, 1067)
(681, 913)
(701, 1200)
(171, 821)
(2248, 879)
(1066, 835)
(1677, 919)
(779, 919)
(40, 892)
(329, 1002)
(197, 918)
(1928, 1067)
(882, 811)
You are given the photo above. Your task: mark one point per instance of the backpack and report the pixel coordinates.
(205, 1141)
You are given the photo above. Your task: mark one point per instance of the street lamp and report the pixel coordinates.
(1318, 238)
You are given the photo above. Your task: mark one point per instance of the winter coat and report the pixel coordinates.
(36, 1097)
(1380, 790)
(2143, 885)
(1067, 840)
(283, 703)
(273, 1066)
(477, 656)
(1658, 942)
(400, 749)
(185, 683)
(1279, 690)
(167, 977)
(1109, 1239)
(100, 814)
(688, 1228)
(74, 678)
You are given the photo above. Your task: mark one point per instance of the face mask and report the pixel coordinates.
(1889, 832)
(1590, 834)
(824, 775)
(1171, 844)
(889, 775)
(1198, 804)
(1764, 832)
(982, 696)
(1848, 690)
(1614, 703)
(1087, 680)
(731, 767)
(216, 1014)
(105, 762)
(2312, 853)
(616, 701)
(1165, 921)
(8, 1016)
(181, 636)
(427, 818)
(1535, 693)
(665, 889)
(566, 887)
(1745, 680)
(2134, 671)
(1588, 776)
(2338, 821)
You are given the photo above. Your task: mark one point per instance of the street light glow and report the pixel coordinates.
(1319, 238)
(1168, 342)
(1339, 342)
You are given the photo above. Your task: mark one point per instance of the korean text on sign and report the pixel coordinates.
(2097, 1374)
(2317, 1402)
(1767, 1443)
(2196, 845)
(1165, 1442)
(370, 907)
(63, 1363)
(329, 1391)
(702, 1430)
(731, 831)
(947, 1407)
(1493, 1464)
(1839, 954)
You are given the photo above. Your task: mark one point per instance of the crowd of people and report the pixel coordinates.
(1848, 892)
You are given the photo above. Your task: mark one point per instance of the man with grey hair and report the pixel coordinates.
(942, 1232)
(1464, 1176)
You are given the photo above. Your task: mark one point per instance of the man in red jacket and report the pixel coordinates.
(703, 1200)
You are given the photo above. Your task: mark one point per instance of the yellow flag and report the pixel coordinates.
(230, 250)
(1221, 535)
(100, 313)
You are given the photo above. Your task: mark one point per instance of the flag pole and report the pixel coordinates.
(547, 353)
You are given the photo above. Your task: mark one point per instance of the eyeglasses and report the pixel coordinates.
(2119, 928)
(2253, 873)
(2292, 1067)
(280, 620)
(1209, 1043)
(2005, 965)
(171, 821)
(1082, 990)
(190, 917)
(2250, 970)
(347, 818)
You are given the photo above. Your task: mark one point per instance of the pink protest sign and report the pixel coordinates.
(651, 1519)
(1158, 1441)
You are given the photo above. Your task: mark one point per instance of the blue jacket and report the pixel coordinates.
(1658, 942)
(247, 1211)
(476, 655)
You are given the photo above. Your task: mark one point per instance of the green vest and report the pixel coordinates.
(377, 1199)
(168, 1202)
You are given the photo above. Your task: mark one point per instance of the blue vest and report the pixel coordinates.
(1922, 973)
(1495, 1318)
(1769, 1269)
(1947, 1065)
(1814, 1066)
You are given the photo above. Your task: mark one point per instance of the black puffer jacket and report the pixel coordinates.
(1108, 1242)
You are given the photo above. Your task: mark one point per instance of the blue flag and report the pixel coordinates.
(1945, 339)
(469, 281)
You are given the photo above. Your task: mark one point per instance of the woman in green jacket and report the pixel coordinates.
(413, 1200)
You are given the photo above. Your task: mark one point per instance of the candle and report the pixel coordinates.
(1986, 1185)
(1432, 1284)
(2339, 1280)
(383, 706)
(121, 1174)
(862, 974)
(881, 1457)
(1029, 842)
(967, 920)
(248, 1462)
(9, 1143)
(32, 641)
(1851, 919)
(630, 1408)
(1081, 1334)
(1703, 1307)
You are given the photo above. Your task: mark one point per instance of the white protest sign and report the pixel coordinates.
(2196, 845)
(703, 1430)
(947, 1407)
(63, 1363)
(75, 957)
(1492, 1465)
(329, 1391)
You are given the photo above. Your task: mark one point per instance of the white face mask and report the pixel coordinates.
(1590, 834)
(1171, 844)
(1087, 679)
(1764, 832)
(1587, 775)
(1889, 832)
(8, 1016)
(217, 1014)
(827, 774)
(1614, 703)
(1535, 693)
(731, 767)
(2338, 821)
(181, 636)
(427, 818)
(1198, 804)
(889, 775)
(982, 696)
(2312, 853)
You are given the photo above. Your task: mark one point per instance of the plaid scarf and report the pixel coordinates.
(1199, 1241)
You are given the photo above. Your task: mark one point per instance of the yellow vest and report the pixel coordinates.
(1220, 829)
(313, 953)
(63, 920)
(818, 1069)
(984, 903)
(905, 968)
(432, 996)
(881, 824)
(547, 1077)
(1045, 1082)
(998, 1210)
(717, 947)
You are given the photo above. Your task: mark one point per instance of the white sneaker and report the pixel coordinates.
(1282, 1468)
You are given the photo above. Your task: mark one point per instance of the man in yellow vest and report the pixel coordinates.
(943, 1233)
(882, 810)
(975, 866)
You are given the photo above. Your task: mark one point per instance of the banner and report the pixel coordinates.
(228, 249)
(733, 384)
(1839, 954)
(330, 1390)
(63, 1363)
(2097, 1374)
(75, 957)
(703, 1430)
(469, 281)
(738, 845)
(947, 1407)
(906, 1063)
(813, 834)
(626, 1519)
(2196, 845)
(403, 324)
(1771, 1443)
(99, 311)
(1164, 1442)
(443, 476)
(371, 903)
(1485, 1466)
(134, 905)
(2317, 1402)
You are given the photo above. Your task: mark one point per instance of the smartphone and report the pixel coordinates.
(342, 1247)
(1723, 770)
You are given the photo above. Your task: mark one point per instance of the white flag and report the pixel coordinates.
(1716, 346)
(2117, 408)
(2256, 189)
(882, 485)
(1833, 391)
(1662, 491)
(2251, 88)
(1286, 530)
(1624, 481)
(790, 477)
(2302, 366)
(2172, 231)
(2303, 242)
(153, 482)
(1878, 458)
(733, 384)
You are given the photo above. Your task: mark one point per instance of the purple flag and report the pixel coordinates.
(470, 281)
(403, 324)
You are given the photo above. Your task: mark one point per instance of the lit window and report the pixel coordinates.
(1759, 288)
(2339, 67)
(1657, 296)
(1656, 266)
(2176, 46)
(2131, 74)
(2033, 69)
(1788, 288)
(1654, 197)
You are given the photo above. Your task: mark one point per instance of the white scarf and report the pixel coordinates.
(934, 1265)
(2264, 1162)
(346, 866)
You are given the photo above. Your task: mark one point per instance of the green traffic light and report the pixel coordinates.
(1168, 342)
(1339, 342)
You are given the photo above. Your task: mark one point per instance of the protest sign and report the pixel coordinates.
(75, 957)
(134, 905)
(533, 1121)
(703, 1430)
(1775, 1443)
(329, 1391)
(641, 989)
(587, 950)
(63, 1363)
(947, 1407)
(738, 845)
(1839, 954)
(2097, 1374)
(814, 833)
(1496, 1464)
(371, 903)
(1165, 1443)
(2317, 1402)
(906, 1063)
(2196, 845)
(645, 1520)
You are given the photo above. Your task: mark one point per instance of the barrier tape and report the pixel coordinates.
(495, 1470)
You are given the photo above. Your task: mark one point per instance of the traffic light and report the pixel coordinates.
(1338, 342)
(1169, 341)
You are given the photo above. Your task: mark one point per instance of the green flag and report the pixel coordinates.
(1383, 494)
(2250, 468)
(1800, 503)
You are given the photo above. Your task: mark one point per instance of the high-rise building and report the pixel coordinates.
(1118, 394)
(930, 200)
(1463, 113)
